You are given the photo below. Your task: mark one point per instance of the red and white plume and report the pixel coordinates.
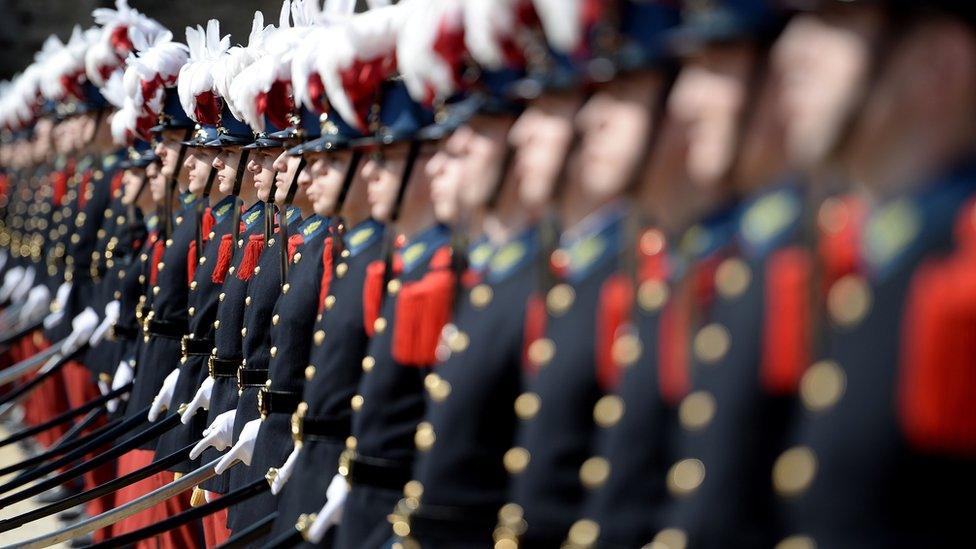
(116, 42)
(237, 59)
(495, 31)
(430, 50)
(196, 81)
(156, 66)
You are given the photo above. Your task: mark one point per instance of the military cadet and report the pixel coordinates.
(878, 431)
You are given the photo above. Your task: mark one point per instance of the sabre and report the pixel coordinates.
(186, 482)
(28, 365)
(65, 416)
(21, 331)
(250, 534)
(67, 442)
(52, 366)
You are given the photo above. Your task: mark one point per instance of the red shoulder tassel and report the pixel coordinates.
(252, 254)
(117, 182)
(326, 272)
(59, 186)
(157, 256)
(206, 224)
(787, 335)
(372, 294)
(83, 189)
(839, 242)
(224, 255)
(422, 310)
(534, 329)
(294, 241)
(613, 317)
(191, 261)
(674, 342)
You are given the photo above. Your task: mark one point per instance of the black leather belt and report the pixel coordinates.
(378, 473)
(327, 429)
(163, 328)
(449, 522)
(120, 332)
(277, 402)
(251, 377)
(196, 346)
(222, 367)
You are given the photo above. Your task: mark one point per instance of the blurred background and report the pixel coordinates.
(24, 24)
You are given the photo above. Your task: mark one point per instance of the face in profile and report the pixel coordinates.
(157, 187)
(542, 137)
(261, 165)
(168, 150)
(480, 147)
(326, 173)
(198, 166)
(286, 166)
(382, 173)
(132, 180)
(226, 163)
(822, 62)
(444, 171)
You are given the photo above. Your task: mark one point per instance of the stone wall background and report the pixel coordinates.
(24, 24)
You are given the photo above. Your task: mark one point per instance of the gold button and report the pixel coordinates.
(413, 489)
(516, 460)
(560, 299)
(330, 302)
(309, 372)
(319, 337)
(271, 242)
(670, 538)
(849, 300)
(298, 257)
(712, 343)
(202, 260)
(510, 513)
(458, 341)
(368, 363)
(685, 476)
(594, 472)
(393, 286)
(425, 437)
(732, 278)
(275, 319)
(257, 269)
(240, 242)
(244, 331)
(345, 253)
(696, 410)
(794, 471)
(159, 266)
(541, 351)
(822, 385)
(527, 405)
(481, 296)
(247, 301)
(626, 349)
(221, 296)
(285, 288)
(216, 324)
(155, 290)
(652, 295)
(356, 402)
(833, 215)
(379, 325)
(274, 351)
(608, 410)
(440, 390)
(351, 443)
(211, 235)
(231, 269)
(192, 311)
(583, 533)
(797, 542)
(341, 270)
(193, 285)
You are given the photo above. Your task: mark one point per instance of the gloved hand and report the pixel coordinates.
(59, 305)
(164, 398)
(112, 309)
(284, 472)
(200, 400)
(10, 281)
(38, 302)
(82, 327)
(243, 450)
(123, 375)
(220, 434)
(331, 512)
(23, 286)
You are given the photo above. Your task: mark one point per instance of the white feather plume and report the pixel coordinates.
(562, 23)
(114, 90)
(422, 69)
(124, 122)
(206, 47)
(237, 59)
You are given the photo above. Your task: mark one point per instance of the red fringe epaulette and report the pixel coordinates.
(192, 254)
(252, 254)
(83, 189)
(372, 294)
(225, 253)
(207, 224)
(294, 241)
(937, 385)
(839, 238)
(422, 309)
(327, 261)
(116, 185)
(613, 318)
(59, 186)
(534, 328)
(191, 261)
(787, 335)
(157, 256)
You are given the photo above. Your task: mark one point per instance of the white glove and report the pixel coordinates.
(331, 512)
(200, 400)
(3, 258)
(284, 472)
(243, 450)
(10, 281)
(123, 375)
(112, 310)
(82, 327)
(220, 434)
(23, 286)
(164, 398)
(57, 308)
(38, 301)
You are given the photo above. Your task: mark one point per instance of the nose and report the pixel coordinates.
(281, 163)
(160, 150)
(370, 169)
(253, 167)
(188, 163)
(305, 178)
(218, 162)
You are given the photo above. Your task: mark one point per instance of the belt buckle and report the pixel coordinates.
(264, 402)
(346, 459)
(298, 422)
(210, 366)
(146, 320)
(240, 378)
(112, 334)
(184, 344)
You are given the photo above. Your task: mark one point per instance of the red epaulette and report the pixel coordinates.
(252, 254)
(294, 241)
(157, 257)
(116, 185)
(534, 328)
(59, 186)
(373, 294)
(207, 224)
(839, 226)
(612, 321)
(787, 336)
(83, 188)
(225, 253)
(423, 308)
(327, 261)
(937, 385)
